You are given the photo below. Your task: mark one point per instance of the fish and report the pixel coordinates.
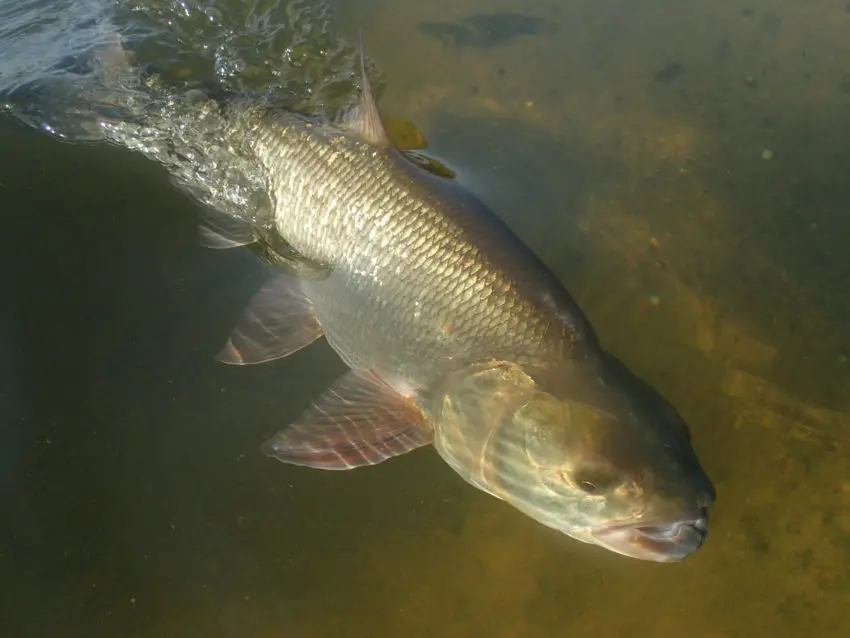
(455, 333)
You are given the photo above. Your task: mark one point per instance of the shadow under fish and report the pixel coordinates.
(485, 30)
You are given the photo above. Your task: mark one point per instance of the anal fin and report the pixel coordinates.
(222, 231)
(358, 421)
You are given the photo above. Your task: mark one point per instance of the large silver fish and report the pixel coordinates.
(456, 336)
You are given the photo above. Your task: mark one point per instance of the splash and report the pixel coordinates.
(140, 76)
(287, 50)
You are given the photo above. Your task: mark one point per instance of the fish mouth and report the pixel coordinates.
(663, 542)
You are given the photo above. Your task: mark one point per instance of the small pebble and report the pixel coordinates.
(767, 154)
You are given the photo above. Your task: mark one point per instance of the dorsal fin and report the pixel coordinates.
(364, 119)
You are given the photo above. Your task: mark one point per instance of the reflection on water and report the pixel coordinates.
(136, 501)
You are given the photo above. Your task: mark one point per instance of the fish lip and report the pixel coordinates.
(662, 540)
(698, 518)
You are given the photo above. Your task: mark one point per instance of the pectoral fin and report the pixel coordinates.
(279, 320)
(358, 421)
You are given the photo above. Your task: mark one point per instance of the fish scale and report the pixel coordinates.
(406, 279)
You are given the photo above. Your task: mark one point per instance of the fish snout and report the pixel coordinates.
(663, 542)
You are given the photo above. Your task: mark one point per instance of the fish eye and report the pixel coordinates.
(596, 480)
(588, 486)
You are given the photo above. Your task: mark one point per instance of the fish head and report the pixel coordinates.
(586, 448)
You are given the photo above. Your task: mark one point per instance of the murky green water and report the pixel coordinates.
(625, 143)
